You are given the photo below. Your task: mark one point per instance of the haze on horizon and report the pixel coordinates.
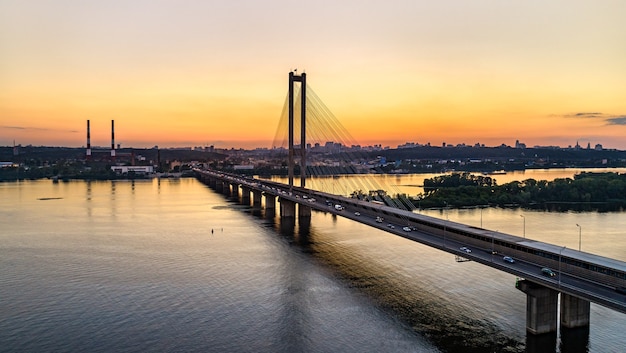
(198, 73)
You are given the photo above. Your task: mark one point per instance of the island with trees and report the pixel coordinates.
(584, 192)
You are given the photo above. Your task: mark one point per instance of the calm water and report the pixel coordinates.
(170, 265)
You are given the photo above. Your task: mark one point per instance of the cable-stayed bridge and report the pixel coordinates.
(553, 277)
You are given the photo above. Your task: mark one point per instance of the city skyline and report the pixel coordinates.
(204, 73)
(320, 146)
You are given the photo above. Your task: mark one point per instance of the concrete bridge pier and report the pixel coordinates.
(219, 186)
(212, 183)
(256, 198)
(574, 339)
(545, 343)
(304, 211)
(234, 191)
(541, 307)
(245, 195)
(574, 311)
(225, 188)
(270, 202)
(287, 208)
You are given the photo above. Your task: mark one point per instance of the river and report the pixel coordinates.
(170, 265)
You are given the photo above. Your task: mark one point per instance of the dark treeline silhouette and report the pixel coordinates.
(585, 191)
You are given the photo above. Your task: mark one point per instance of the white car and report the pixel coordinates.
(357, 213)
(465, 249)
(406, 229)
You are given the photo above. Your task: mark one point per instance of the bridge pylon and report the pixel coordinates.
(302, 150)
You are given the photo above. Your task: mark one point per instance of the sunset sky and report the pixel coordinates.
(206, 72)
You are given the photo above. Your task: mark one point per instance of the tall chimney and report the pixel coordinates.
(88, 141)
(112, 139)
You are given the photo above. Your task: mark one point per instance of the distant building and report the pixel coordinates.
(137, 169)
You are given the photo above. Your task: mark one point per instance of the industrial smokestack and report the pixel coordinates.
(113, 139)
(88, 141)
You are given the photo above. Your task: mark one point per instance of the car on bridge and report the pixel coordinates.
(406, 229)
(508, 259)
(466, 249)
(548, 272)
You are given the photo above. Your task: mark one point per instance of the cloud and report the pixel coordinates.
(586, 115)
(608, 119)
(29, 128)
(618, 120)
(14, 127)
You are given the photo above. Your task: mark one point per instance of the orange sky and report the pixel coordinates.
(195, 73)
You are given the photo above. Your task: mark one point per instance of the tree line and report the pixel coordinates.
(585, 191)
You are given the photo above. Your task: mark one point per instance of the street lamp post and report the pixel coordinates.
(493, 249)
(444, 231)
(580, 231)
(445, 223)
(560, 251)
(524, 218)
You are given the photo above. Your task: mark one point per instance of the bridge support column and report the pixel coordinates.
(256, 198)
(234, 191)
(304, 211)
(270, 205)
(287, 208)
(212, 183)
(225, 188)
(574, 311)
(219, 186)
(245, 196)
(270, 202)
(541, 307)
